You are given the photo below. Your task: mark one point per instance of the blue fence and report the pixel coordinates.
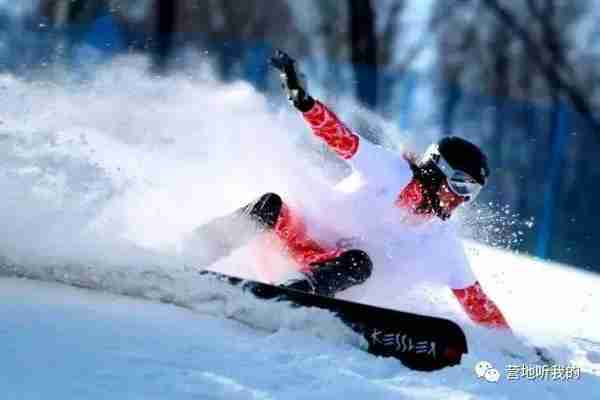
(542, 154)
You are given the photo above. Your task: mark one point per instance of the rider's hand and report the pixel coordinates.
(291, 81)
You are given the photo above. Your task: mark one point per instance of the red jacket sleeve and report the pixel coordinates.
(326, 125)
(479, 307)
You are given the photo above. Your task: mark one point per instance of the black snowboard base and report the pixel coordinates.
(420, 342)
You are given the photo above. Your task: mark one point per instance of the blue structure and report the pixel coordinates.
(101, 41)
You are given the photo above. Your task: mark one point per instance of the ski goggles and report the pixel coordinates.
(459, 182)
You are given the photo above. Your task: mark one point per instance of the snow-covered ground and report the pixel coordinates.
(102, 180)
(62, 342)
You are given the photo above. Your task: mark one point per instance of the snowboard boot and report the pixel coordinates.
(221, 236)
(329, 277)
(326, 278)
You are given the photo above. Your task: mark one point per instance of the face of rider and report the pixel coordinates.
(448, 201)
(438, 199)
(435, 197)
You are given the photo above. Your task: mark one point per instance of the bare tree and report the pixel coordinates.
(64, 12)
(549, 52)
(363, 44)
(166, 11)
(228, 31)
(233, 29)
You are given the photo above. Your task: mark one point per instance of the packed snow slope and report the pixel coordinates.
(68, 343)
(102, 181)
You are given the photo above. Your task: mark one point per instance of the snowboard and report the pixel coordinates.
(420, 342)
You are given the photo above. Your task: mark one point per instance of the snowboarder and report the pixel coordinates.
(404, 198)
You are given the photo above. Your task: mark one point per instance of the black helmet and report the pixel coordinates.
(464, 156)
(461, 162)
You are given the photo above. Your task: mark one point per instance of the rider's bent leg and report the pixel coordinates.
(219, 237)
(324, 271)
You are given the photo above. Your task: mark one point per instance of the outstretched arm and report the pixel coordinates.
(479, 307)
(373, 162)
(326, 125)
(323, 122)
